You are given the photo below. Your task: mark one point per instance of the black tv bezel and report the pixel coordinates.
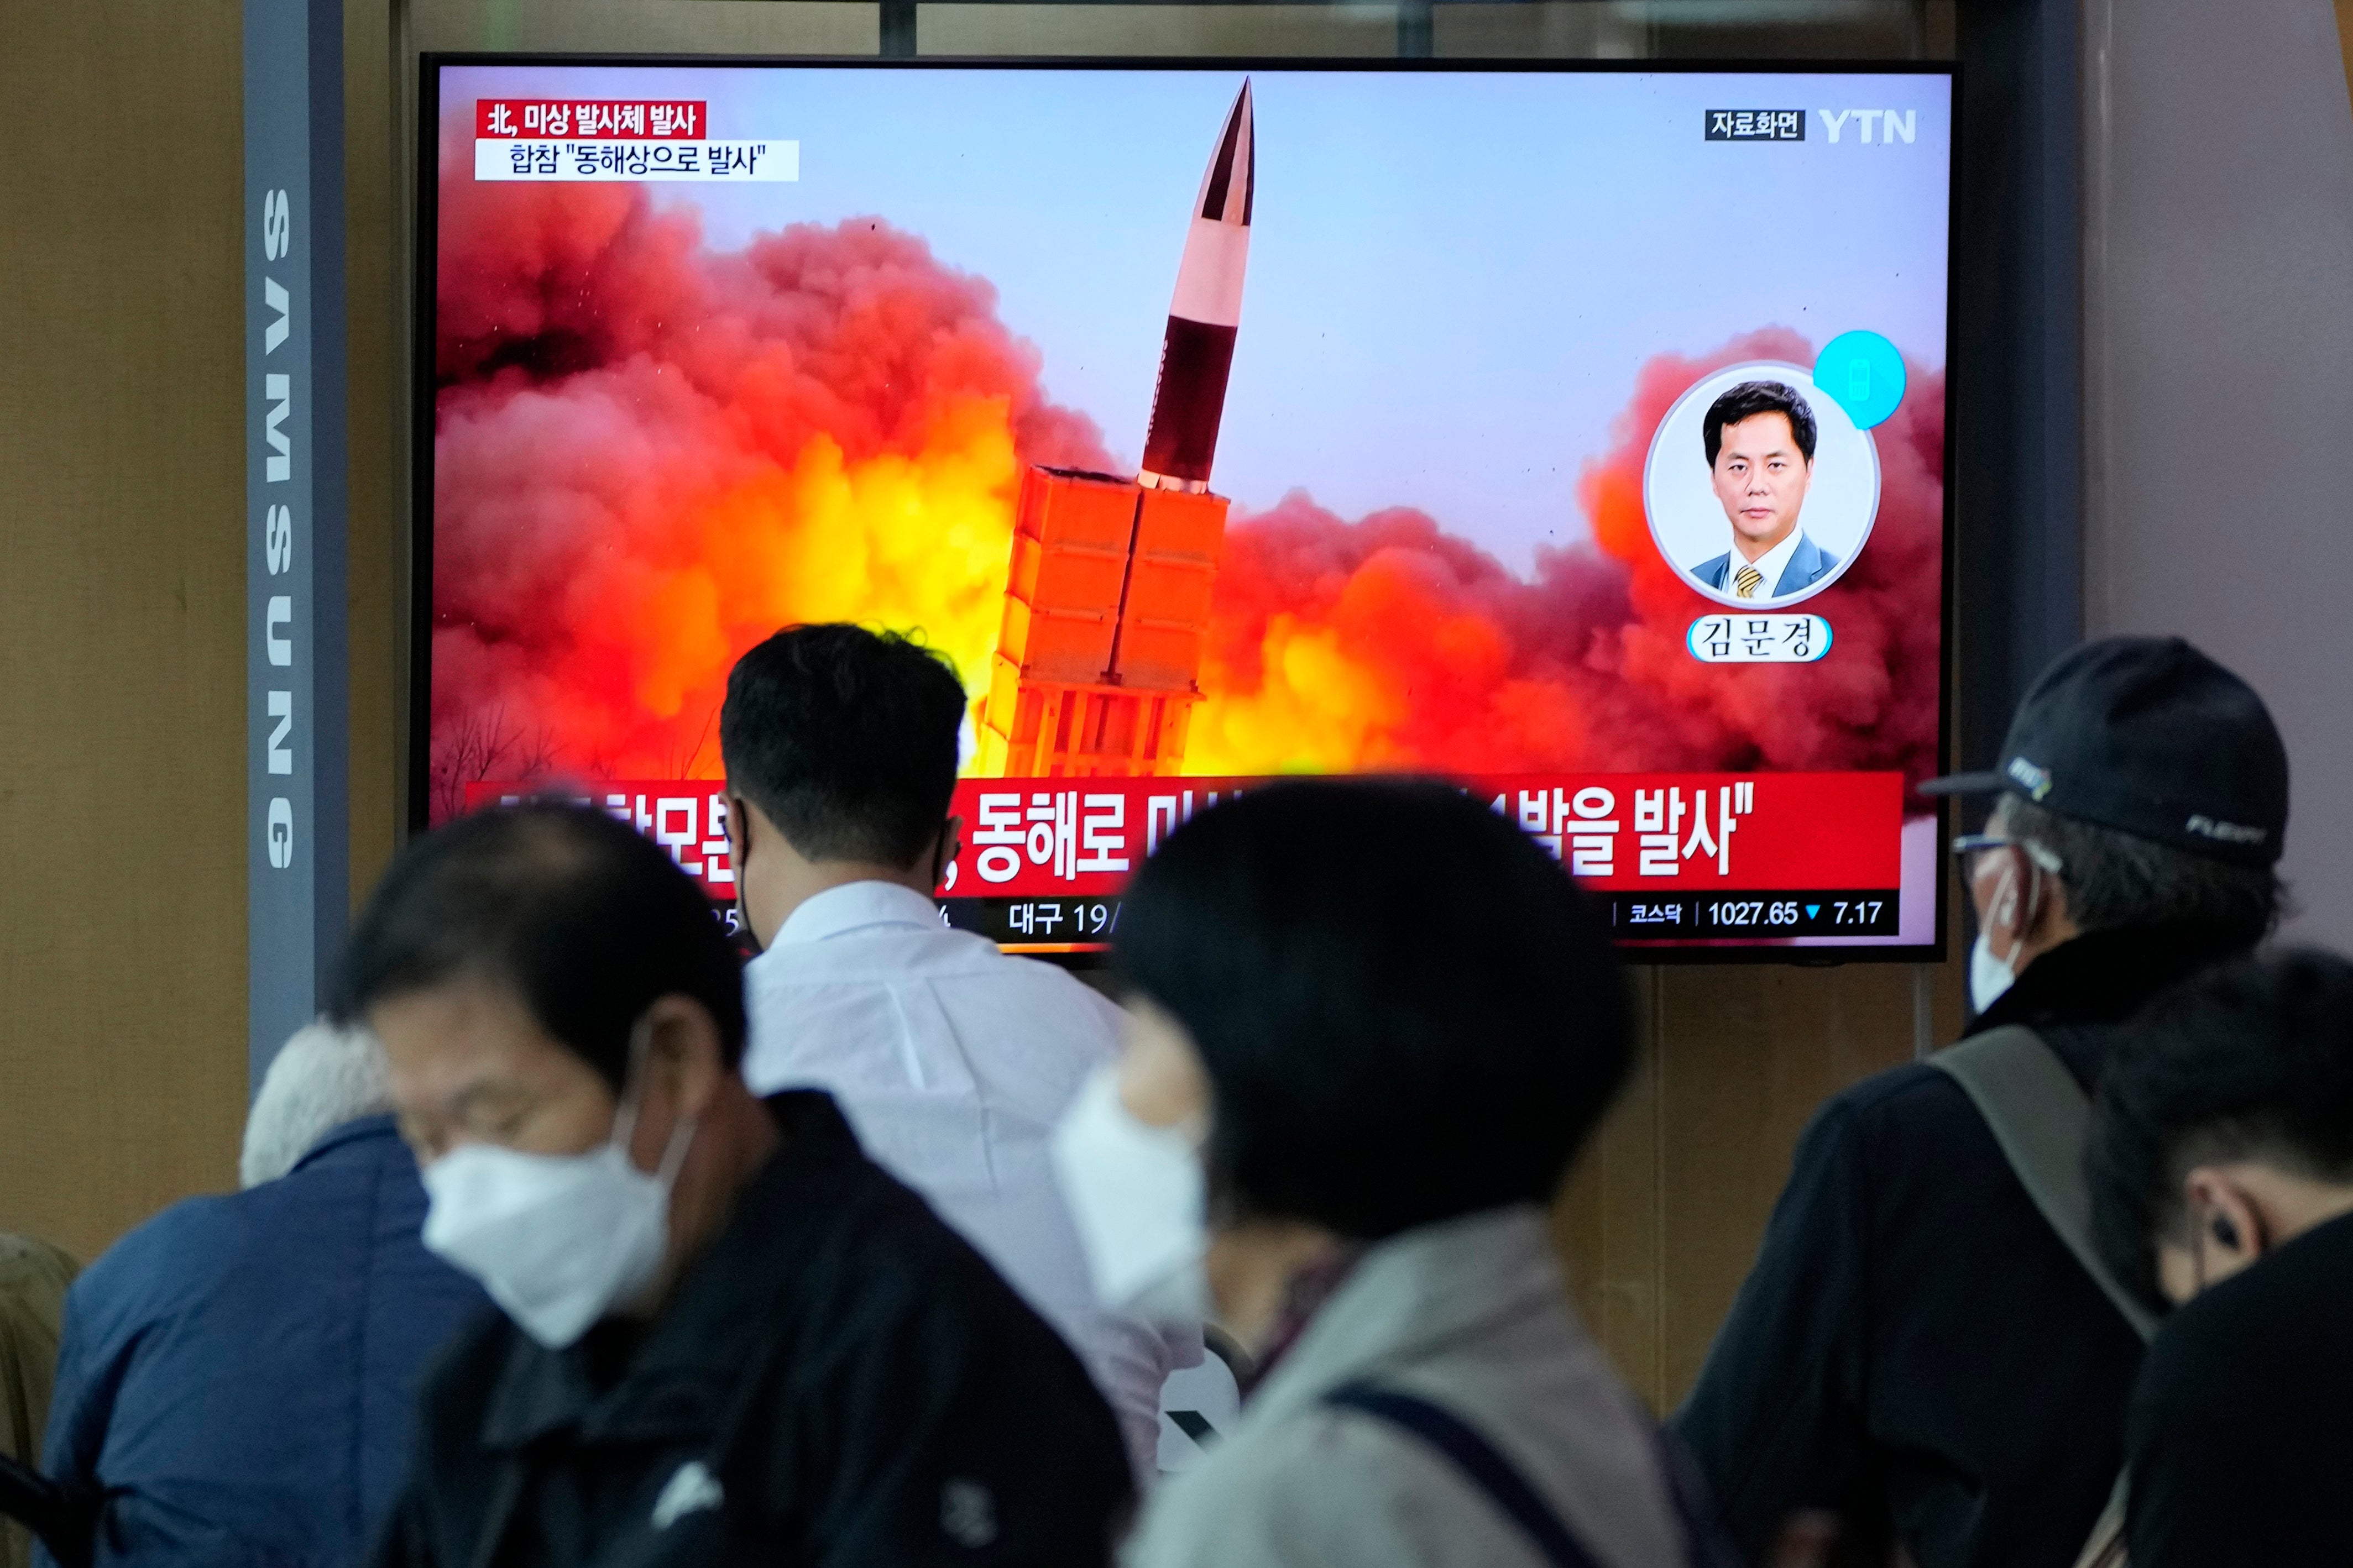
(424, 271)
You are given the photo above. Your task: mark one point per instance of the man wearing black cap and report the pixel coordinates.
(1927, 1348)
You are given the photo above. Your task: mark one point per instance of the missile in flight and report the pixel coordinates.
(1107, 597)
(1198, 352)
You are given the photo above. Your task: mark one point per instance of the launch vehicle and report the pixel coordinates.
(1108, 597)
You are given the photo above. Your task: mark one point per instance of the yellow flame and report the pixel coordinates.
(1315, 710)
(914, 543)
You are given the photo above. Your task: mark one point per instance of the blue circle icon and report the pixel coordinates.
(1864, 373)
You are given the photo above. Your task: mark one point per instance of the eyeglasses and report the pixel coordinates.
(1968, 847)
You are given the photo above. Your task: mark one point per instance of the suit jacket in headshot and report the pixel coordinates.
(1808, 565)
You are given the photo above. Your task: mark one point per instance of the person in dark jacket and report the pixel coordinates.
(729, 1336)
(237, 1372)
(1917, 1353)
(2222, 1184)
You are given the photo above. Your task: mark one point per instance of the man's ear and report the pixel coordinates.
(685, 1062)
(2006, 911)
(2235, 1234)
(739, 830)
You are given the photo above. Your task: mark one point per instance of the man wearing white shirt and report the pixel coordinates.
(951, 1060)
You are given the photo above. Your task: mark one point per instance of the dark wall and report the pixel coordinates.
(2018, 359)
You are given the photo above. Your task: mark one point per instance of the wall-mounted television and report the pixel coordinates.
(1574, 432)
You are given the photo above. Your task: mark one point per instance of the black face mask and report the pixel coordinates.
(746, 940)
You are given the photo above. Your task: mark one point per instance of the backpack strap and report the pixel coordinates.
(2106, 1546)
(1477, 1458)
(1705, 1543)
(2042, 1120)
(64, 1518)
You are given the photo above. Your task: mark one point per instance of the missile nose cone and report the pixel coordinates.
(1232, 177)
(1199, 351)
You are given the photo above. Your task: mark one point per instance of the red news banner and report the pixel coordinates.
(607, 120)
(1668, 833)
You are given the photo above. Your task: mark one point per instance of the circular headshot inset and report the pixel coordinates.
(1759, 488)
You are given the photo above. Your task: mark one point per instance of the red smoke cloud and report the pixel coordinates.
(1390, 644)
(650, 455)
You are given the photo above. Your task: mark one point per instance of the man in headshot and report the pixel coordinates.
(1760, 452)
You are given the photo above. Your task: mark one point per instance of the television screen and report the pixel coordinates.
(1575, 434)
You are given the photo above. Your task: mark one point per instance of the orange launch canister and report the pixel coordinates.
(1106, 604)
(1105, 608)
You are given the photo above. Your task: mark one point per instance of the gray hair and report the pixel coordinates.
(2115, 879)
(323, 1077)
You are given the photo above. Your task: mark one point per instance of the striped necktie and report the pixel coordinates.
(1744, 581)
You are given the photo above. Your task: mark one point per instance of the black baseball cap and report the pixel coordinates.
(2150, 737)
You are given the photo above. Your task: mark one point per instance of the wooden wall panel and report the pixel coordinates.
(2344, 9)
(1607, 1220)
(1660, 1220)
(121, 613)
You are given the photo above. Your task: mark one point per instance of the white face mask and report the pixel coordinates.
(1139, 1199)
(1989, 976)
(558, 1240)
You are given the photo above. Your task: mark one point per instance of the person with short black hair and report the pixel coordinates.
(728, 1336)
(1920, 1351)
(1369, 1072)
(2222, 1170)
(1759, 437)
(844, 740)
(952, 1059)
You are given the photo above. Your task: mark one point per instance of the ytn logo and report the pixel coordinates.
(1891, 126)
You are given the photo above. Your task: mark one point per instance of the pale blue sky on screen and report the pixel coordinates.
(1453, 276)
